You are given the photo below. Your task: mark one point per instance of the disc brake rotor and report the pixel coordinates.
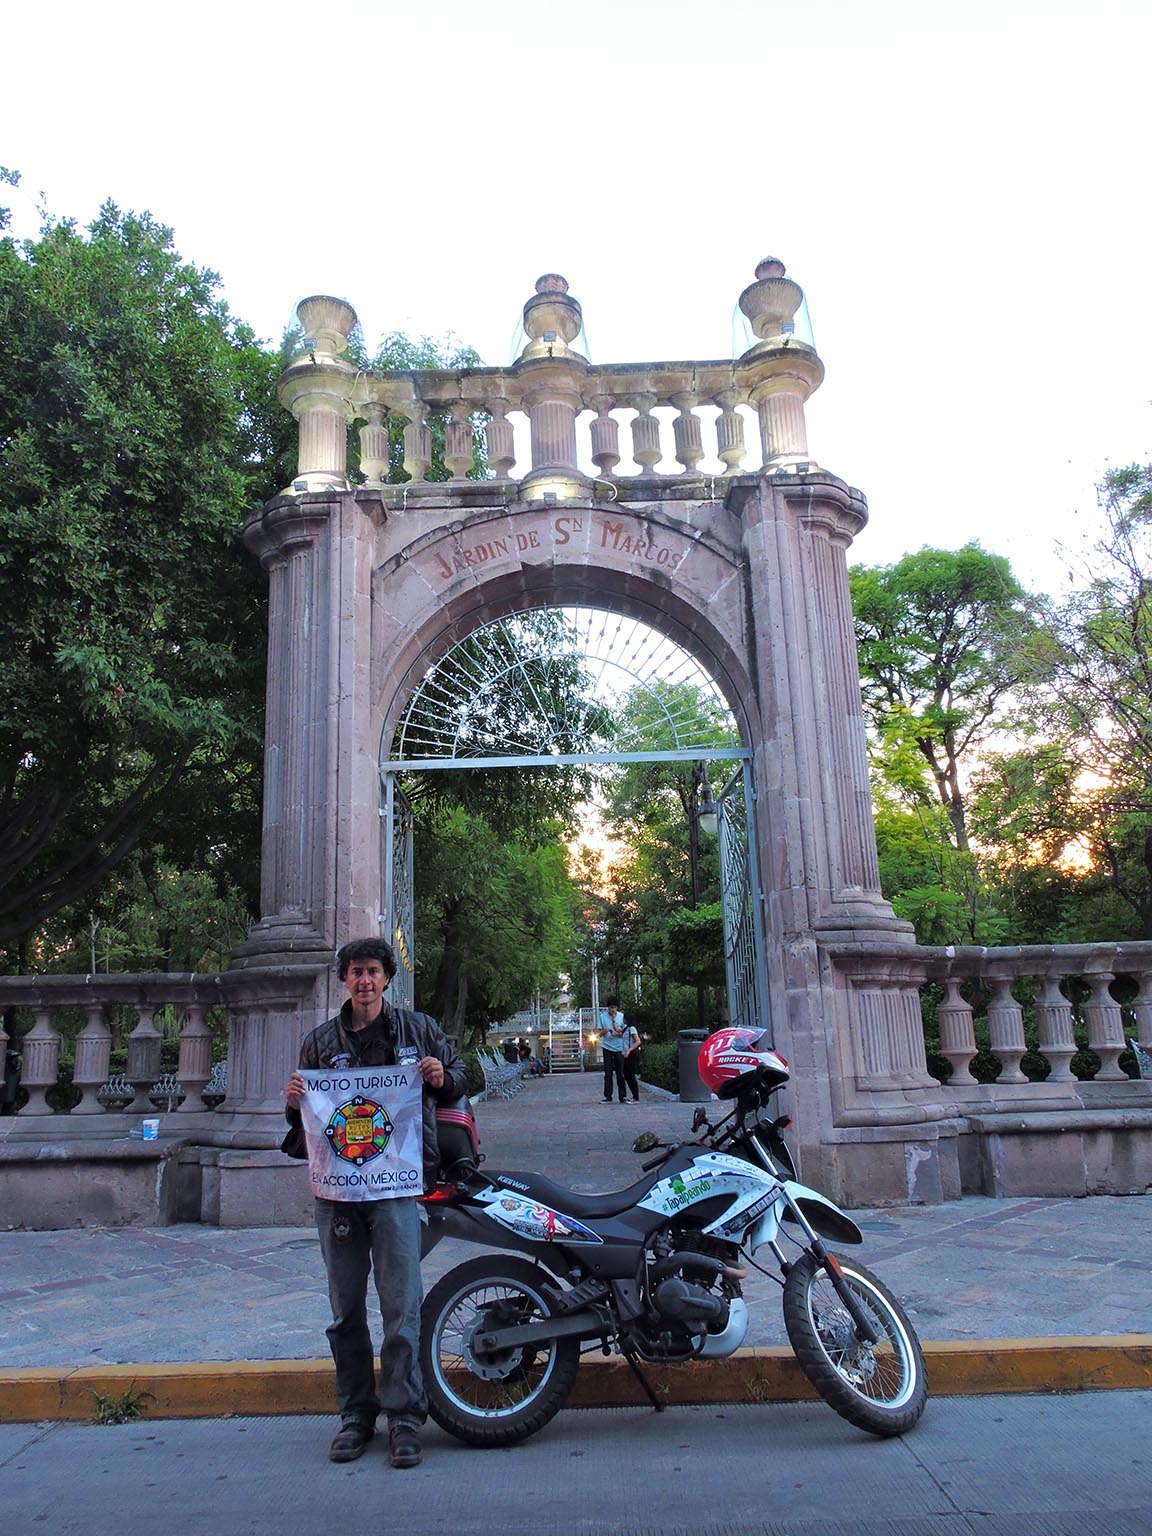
(493, 1365)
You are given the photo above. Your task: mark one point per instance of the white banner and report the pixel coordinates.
(364, 1127)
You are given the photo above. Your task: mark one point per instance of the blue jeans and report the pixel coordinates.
(385, 1241)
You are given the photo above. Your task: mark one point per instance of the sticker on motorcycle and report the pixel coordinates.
(528, 1218)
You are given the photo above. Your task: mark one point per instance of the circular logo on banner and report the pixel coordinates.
(359, 1131)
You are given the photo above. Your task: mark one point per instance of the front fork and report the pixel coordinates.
(865, 1328)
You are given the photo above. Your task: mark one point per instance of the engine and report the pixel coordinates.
(694, 1298)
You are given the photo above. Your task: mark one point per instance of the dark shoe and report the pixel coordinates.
(404, 1446)
(605, 1101)
(350, 1442)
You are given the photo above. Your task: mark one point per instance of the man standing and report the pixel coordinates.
(381, 1237)
(613, 1044)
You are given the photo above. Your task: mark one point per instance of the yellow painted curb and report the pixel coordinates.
(214, 1389)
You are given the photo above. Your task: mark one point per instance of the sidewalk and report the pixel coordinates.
(1067, 1280)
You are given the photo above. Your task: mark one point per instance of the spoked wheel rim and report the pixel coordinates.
(494, 1386)
(884, 1373)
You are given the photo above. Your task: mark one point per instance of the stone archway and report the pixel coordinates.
(747, 572)
(544, 688)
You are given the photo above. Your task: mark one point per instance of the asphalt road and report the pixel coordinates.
(1078, 1465)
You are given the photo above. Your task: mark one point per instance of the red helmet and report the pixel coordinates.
(728, 1057)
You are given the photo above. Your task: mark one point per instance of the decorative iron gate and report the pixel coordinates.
(502, 698)
(740, 891)
(398, 919)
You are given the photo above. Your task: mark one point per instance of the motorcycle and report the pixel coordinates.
(653, 1272)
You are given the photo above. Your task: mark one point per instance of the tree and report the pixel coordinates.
(672, 929)
(1100, 690)
(494, 918)
(138, 424)
(944, 639)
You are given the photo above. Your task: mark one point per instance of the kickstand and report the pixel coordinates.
(638, 1372)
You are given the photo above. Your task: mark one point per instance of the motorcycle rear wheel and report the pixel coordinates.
(878, 1387)
(492, 1399)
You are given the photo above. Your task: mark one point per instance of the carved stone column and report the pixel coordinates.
(317, 389)
(784, 369)
(291, 540)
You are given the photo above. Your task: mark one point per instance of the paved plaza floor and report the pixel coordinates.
(971, 1269)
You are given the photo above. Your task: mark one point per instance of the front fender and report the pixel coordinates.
(825, 1219)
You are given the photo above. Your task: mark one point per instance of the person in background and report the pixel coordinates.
(613, 1043)
(632, 1061)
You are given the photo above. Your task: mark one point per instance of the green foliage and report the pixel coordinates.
(137, 426)
(696, 942)
(120, 1408)
(944, 638)
(400, 354)
(648, 913)
(660, 1064)
(492, 915)
(1100, 698)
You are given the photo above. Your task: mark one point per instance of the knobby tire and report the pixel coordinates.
(500, 1400)
(880, 1388)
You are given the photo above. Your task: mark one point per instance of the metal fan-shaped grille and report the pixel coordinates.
(548, 683)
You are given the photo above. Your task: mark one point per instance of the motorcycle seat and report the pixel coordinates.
(572, 1202)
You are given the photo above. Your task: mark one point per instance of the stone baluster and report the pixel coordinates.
(957, 1036)
(1105, 1022)
(729, 431)
(417, 441)
(143, 1059)
(93, 1057)
(374, 461)
(605, 436)
(499, 438)
(195, 1064)
(41, 1051)
(1006, 1030)
(1056, 1042)
(686, 432)
(1142, 1010)
(459, 448)
(645, 434)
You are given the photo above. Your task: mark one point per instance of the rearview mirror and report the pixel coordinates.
(700, 1119)
(645, 1142)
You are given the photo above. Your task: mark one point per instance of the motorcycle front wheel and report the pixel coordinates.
(878, 1387)
(485, 1398)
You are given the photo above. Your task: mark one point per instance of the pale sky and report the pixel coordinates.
(960, 189)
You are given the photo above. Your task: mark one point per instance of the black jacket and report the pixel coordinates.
(334, 1044)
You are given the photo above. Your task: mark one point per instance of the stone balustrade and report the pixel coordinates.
(571, 407)
(1060, 986)
(44, 1047)
(589, 433)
